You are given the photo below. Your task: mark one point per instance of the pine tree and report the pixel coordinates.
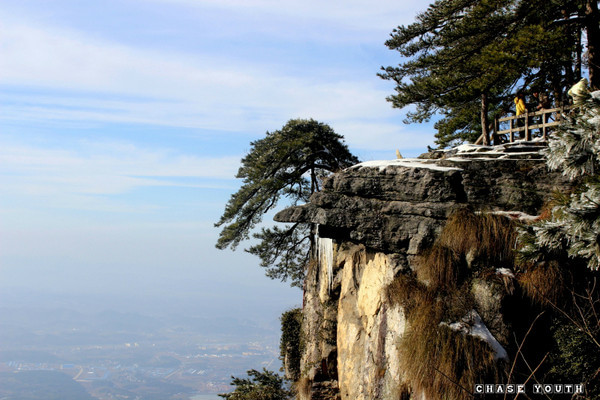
(265, 385)
(288, 164)
(574, 226)
(560, 254)
(464, 58)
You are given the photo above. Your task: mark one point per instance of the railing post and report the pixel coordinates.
(544, 121)
(512, 132)
(527, 133)
(496, 129)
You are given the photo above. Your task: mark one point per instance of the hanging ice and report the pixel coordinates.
(325, 255)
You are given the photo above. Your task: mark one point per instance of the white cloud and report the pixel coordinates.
(374, 135)
(69, 60)
(102, 169)
(98, 80)
(371, 15)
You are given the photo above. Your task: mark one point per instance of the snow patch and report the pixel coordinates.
(468, 148)
(404, 162)
(471, 324)
(518, 215)
(470, 159)
(501, 148)
(505, 272)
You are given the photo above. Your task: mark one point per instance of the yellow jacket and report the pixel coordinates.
(520, 104)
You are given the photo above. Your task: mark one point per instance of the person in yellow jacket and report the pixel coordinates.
(521, 108)
(520, 103)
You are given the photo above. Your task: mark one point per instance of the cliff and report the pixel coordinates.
(376, 222)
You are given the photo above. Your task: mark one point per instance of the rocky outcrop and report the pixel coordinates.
(396, 206)
(381, 215)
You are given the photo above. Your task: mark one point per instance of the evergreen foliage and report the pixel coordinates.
(265, 385)
(288, 164)
(463, 59)
(576, 358)
(291, 344)
(560, 254)
(574, 225)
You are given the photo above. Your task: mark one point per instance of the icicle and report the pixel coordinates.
(325, 255)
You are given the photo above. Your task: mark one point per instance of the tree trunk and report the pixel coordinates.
(568, 65)
(313, 227)
(592, 21)
(485, 131)
(578, 51)
(557, 92)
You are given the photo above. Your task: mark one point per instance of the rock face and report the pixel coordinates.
(380, 216)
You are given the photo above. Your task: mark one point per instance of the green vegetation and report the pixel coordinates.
(291, 345)
(560, 254)
(464, 59)
(574, 224)
(575, 357)
(265, 385)
(287, 164)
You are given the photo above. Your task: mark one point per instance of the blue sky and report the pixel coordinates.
(122, 124)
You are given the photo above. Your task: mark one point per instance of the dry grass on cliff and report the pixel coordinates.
(468, 241)
(543, 282)
(439, 267)
(480, 236)
(437, 360)
(434, 358)
(409, 293)
(302, 388)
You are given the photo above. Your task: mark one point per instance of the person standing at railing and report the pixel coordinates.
(543, 104)
(543, 101)
(521, 108)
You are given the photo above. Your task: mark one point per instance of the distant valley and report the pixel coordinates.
(109, 354)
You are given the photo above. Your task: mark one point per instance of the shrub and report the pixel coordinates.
(291, 342)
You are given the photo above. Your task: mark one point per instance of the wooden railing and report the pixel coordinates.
(537, 123)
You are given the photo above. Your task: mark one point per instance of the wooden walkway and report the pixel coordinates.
(525, 126)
